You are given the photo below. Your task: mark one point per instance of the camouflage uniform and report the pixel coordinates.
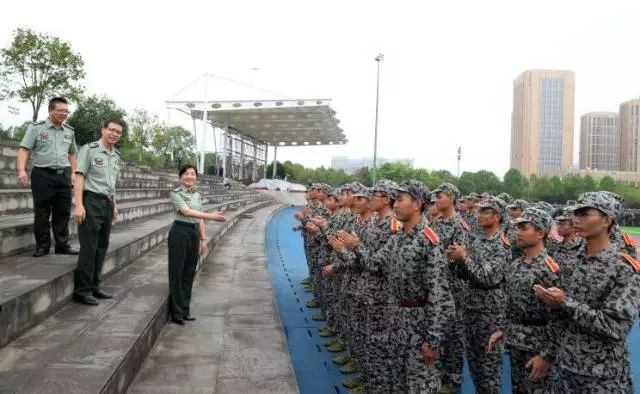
(623, 241)
(451, 231)
(527, 332)
(600, 304)
(485, 304)
(567, 251)
(511, 230)
(413, 264)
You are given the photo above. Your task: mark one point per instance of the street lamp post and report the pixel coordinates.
(379, 60)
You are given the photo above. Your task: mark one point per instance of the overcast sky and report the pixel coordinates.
(446, 79)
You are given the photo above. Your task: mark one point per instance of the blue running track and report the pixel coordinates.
(315, 372)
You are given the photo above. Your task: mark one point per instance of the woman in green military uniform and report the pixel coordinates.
(187, 240)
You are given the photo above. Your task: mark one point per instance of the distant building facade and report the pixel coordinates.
(351, 166)
(600, 141)
(629, 135)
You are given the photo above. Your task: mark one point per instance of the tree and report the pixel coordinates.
(38, 66)
(514, 183)
(607, 183)
(171, 141)
(141, 126)
(90, 115)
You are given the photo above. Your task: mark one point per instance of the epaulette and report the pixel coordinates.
(67, 126)
(395, 225)
(465, 226)
(38, 123)
(431, 235)
(177, 189)
(634, 263)
(505, 240)
(553, 266)
(628, 240)
(94, 145)
(117, 151)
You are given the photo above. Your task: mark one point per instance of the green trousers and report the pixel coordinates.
(184, 245)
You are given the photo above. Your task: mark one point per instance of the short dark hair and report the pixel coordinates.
(185, 167)
(119, 122)
(57, 100)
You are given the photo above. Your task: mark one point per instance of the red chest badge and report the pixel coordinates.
(44, 136)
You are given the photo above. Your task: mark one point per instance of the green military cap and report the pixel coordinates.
(449, 189)
(537, 217)
(416, 189)
(606, 202)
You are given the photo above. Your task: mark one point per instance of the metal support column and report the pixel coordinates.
(275, 162)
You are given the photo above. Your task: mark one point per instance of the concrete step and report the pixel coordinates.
(18, 201)
(31, 289)
(16, 231)
(84, 349)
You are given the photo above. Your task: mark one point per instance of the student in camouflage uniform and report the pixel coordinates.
(452, 230)
(484, 266)
(526, 333)
(316, 209)
(373, 297)
(567, 253)
(413, 263)
(515, 210)
(552, 243)
(598, 306)
(622, 240)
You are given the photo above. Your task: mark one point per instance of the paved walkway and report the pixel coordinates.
(237, 344)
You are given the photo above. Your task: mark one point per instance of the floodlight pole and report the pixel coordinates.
(379, 60)
(204, 122)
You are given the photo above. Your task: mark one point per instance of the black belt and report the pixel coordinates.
(99, 195)
(186, 224)
(57, 171)
(531, 322)
(417, 303)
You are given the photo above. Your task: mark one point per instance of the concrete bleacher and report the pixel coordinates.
(47, 343)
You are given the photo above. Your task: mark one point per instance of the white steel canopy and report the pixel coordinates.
(275, 122)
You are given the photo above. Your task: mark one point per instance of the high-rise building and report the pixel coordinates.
(599, 141)
(629, 133)
(542, 121)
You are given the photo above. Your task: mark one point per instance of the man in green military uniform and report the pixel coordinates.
(52, 146)
(95, 189)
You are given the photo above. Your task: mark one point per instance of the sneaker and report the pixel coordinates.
(348, 368)
(331, 342)
(306, 281)
(341, 360)
(318, 317)
(326, 333)
(312, 303)
(308, 289)
(358, 389)
(353, 383)
(336, 348)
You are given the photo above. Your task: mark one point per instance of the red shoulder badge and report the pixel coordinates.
(431, 235)
(634, 263)
(628, 240)
(464, 224)
(395, 225)
(505, 240)
(553, 266)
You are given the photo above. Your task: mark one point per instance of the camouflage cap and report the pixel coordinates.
(463, 198)
(449, 189)
(539, 218)
(506, 197)
(365, 192)
(387, 187)
(474, 195)
(562, 214)
(606, 202)
(416, 189)
(485, 195)
(495, 203)
(545, 206)
(353, 187)
(335, 192)
(517, 204)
